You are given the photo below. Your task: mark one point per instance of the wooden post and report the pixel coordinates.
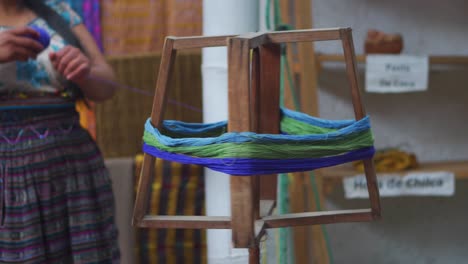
(157, 115)
(268, 118)
(359, 112)
(265, 119)
(254, 255)
(242, 188)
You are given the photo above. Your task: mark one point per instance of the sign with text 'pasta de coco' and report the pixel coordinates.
(396, 73)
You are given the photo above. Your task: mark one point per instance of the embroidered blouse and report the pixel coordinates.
(37, 78)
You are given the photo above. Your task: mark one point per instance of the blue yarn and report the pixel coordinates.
(248, 167)
(333, 124)
(345, 128)
(44, 37)
(191, 128)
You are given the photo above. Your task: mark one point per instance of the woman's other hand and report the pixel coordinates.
(98, 80)
(71, 63)
(19, 44)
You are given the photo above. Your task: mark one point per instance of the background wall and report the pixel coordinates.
(140, 26)
(431, 124)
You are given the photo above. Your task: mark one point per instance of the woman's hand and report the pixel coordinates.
(71, 63)
(19, 44)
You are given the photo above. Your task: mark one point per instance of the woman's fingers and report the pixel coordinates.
(71, 63)
(66, 58)
(19, 44)
(25, 31)
(22, 54)
(72, 66)
(27, 43)
(79, 73)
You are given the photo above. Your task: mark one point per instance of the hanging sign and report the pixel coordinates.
(396, 73)
(410, 184)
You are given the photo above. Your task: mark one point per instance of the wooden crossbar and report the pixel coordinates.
(318, 218)
(306, 35)
(199, 42)
(183, 221)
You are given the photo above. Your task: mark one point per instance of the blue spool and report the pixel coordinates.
(44, 37)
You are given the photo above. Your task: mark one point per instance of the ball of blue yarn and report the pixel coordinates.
(44, 37)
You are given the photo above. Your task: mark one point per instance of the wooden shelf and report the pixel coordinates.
(449, 60)
(459, 168)
(333, 176)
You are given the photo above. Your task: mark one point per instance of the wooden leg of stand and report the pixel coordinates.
(254, 255)
(243, 197)
(268, 104)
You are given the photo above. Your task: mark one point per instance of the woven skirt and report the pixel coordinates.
(56, 201)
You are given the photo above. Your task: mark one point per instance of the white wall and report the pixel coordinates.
(121, 173)
(221, 18)
(431, 124)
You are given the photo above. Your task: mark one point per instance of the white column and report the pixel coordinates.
(221, 17)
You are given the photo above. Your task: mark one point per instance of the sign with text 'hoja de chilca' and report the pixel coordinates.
(396, 73)
(410, 184)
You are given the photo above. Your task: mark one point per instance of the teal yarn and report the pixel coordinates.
(302, 136)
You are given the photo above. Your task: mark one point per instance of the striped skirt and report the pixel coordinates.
(56, 201)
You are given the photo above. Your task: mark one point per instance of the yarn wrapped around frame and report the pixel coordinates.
(305, 143)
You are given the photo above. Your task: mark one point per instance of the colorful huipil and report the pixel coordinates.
(56, 201)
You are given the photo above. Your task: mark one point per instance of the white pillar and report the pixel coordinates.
(221, 17)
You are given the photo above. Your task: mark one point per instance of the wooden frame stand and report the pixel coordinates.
(254, 81)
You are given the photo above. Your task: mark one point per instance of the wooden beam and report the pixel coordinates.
(260, 229)
(359, 112)
(199, 41)
(255, 101)
(268, 119)
(304, 35)
(352, 74)
(189, 222)
(242, 188)
(157, 115)
(143, 190)
(318, 218)
(162, 84)
(255, 39)
(266, 207)
(254, 255)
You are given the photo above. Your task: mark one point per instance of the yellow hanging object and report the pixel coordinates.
(392, 160)
(87, 117)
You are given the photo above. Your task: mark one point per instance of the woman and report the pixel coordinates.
(56, 203)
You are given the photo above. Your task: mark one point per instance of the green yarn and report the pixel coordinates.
(293, 127)
(270, 151)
